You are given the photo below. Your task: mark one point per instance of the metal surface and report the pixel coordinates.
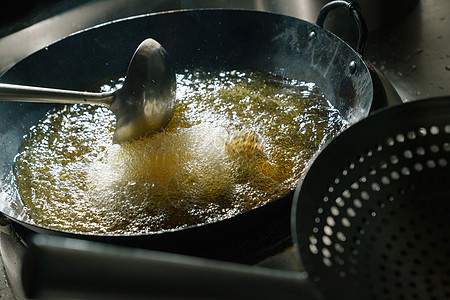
(414, 54)
(58, 268)
(371, 215)
(409, 45)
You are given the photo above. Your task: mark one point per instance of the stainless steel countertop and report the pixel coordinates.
(413, 53)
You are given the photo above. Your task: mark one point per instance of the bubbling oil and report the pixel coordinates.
(238, 139)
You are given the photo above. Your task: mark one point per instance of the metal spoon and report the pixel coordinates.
(143, 105)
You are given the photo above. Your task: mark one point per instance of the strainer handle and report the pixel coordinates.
(355, 10)
(57, 267)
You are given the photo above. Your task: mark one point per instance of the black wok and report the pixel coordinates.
(211, 39)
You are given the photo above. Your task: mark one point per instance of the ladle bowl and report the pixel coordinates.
(142, 106)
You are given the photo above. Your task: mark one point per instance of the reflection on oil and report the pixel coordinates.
(236, 141)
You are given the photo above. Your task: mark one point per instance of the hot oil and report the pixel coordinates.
(237, 140)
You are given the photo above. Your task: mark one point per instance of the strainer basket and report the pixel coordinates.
(372, 214)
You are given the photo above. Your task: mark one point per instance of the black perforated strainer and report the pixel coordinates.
(372, 214)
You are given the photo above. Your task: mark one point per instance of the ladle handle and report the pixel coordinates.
(56, 267)
(22, 93)
(355, 10)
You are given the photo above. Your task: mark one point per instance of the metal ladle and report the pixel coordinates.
(143, 105)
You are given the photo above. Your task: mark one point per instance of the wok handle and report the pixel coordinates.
(23, 93)
(355, 10)
(58, 268)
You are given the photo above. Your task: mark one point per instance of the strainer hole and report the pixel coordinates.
(385, 180)
(346, 222)
(362, 179)
(420, 151)
(446, 147)
(431, 164)
(390, 141)
(340, 236)
(327, 262)
(400, 138)
(394, 159)
(375, 186)
(340, 202)
(395, 175)
(411, 135)
(434, 148)
(330, 221)
(442, 162)
(447, 128)
(326, 252)
(351, 212)
(434, 130)
(418, 167)
(327, 241)
(313, 249)
(407, 154)
(383, 164)
(339, 248)
(365, 195)
(357, 203)
(328, 231)
(346, 194)
(334, 211)
(354, 185)
(422, 131)
(405, 171)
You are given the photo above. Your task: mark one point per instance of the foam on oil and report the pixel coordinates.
(236, 141)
